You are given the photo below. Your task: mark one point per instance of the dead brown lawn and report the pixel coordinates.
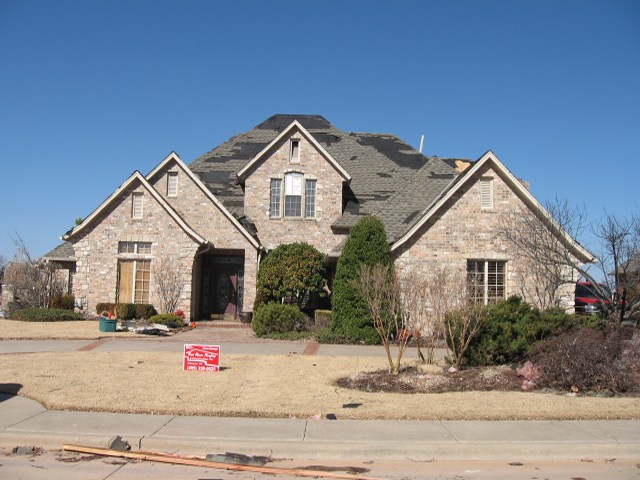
(268, 386)
(80, 330)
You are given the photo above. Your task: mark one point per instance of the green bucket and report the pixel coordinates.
(107, 325)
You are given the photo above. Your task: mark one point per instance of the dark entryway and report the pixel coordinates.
(222, 286)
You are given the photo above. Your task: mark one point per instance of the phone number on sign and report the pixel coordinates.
(201, 368)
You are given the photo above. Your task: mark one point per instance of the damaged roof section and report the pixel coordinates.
(389, 178)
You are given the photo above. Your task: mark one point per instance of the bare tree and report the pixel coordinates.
(543, 242)
(620, 262)
(32, 281)
(168, 282)
(3, 264)
(379, 287)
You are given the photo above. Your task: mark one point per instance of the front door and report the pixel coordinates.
(222, 282)
(226, 291)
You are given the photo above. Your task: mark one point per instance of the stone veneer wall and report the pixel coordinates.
(463, 230)
(207, 219)
(96, 250)
(275, 231)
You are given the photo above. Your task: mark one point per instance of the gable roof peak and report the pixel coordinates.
(281, 121)
(294, 125)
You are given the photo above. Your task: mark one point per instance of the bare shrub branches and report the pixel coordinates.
(543, 242)
(168, 282)
(620, 262)
(380, 289)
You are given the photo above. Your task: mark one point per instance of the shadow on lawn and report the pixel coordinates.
(8, 390)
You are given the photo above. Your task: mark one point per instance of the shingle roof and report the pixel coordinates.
(389, 178)
(63, 252)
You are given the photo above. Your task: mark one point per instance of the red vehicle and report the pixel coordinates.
(586, 301)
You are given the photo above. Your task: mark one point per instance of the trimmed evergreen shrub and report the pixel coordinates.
(327, 336)
(45, 315)
(64, 302)
(277, 318)
(106, 307)
(145, 310)
(366, 245)
(512, 328)
(291, 271)
(126, 311)
(171, 320)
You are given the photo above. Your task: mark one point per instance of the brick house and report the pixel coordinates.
(295, 178)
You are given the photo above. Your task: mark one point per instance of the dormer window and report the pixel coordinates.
(172, 184)
(294, 152)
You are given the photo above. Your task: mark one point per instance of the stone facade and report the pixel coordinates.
(96, 250)
(313, 166)
(204, 216)
(206, 243)
(463, 230)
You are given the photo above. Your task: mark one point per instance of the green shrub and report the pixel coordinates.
(64, 302)
(277, 318)
(291, 271)
(321, 318)
(366, 245)
(169, 319)
(511, 329)
(126, 311)
(145, 310)
(328, 336)
(45, 315)
(106, 307)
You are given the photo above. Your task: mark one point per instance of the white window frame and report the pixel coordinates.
(486, 298)
(294, 150)
(310, 200)
(275, 198)
(293, 187)
(137, 205)
(172, 184)
(136, 248)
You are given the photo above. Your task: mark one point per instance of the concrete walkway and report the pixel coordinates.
(25, 422)
(227, 347)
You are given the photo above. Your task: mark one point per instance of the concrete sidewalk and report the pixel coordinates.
(25, 422)
(227, 347)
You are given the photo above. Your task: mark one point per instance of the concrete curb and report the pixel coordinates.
(25, 422)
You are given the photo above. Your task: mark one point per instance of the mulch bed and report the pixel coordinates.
(413, 380)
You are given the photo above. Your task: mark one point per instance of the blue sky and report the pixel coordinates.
(92, 90)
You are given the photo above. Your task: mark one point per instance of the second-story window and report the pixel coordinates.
(294, 152)
(310, 199)
(274, 202)
(293, 195)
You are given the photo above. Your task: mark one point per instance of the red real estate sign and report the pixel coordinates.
(201, 358)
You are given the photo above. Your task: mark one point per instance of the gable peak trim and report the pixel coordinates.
(523, 193)
(136, 176)
(174, 157)
(287, 132)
